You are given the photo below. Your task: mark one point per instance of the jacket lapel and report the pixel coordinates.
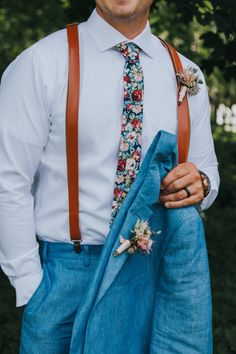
(159, 160)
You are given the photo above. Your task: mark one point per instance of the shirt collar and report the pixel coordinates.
(106, 36)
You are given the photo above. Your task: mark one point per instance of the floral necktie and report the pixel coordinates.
(131, 128)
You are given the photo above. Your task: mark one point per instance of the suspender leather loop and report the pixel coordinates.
(72, 127)
(72, 146)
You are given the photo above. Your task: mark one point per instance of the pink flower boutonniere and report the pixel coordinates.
(189, 82)
(140, 240)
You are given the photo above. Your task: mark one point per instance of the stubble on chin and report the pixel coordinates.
(121, 9)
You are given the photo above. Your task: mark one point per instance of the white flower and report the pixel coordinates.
(124, 119)
(130, 163)
(142, 229)
(120, 179)
(140, 139)
(124, 146)
(136, 109)
(138, 76)
(131, 136)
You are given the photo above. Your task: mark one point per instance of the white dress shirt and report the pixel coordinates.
(32, 140)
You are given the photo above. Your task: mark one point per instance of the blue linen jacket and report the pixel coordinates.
(159, 303)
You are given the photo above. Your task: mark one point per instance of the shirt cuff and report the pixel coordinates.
(209, 199)
(25, 287)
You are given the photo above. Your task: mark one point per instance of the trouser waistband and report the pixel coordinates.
(66, 250)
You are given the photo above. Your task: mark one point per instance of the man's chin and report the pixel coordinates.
(124, 14)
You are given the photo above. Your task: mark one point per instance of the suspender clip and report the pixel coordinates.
(76, 245)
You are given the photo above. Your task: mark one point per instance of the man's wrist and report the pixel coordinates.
(206, 183)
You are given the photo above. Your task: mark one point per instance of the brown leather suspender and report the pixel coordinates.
(72, 131)
(183, 109)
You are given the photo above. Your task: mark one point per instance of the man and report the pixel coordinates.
(32, 127)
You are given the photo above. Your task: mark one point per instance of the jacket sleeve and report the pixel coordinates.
(23, 136)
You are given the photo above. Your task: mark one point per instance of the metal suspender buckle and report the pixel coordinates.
(76, 244)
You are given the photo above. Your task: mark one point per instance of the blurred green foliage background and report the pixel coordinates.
(204, 31)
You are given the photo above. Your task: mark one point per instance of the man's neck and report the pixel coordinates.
(130, 28)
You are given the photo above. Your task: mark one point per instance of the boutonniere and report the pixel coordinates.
(189, 81)
(139, 242)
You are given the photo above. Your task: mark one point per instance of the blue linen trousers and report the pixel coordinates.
(133, 304)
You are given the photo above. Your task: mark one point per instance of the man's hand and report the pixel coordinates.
(173, 194)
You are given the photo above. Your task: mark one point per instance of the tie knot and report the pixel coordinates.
(130, 51)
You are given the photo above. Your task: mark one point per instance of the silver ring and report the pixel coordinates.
(187, 191)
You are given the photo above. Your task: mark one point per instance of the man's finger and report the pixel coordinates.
(176, 173)
(194, 189)
(182, 182)
(171, 197)
(194, 199)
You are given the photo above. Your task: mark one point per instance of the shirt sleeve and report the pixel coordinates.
(24, 126)
(202, 150)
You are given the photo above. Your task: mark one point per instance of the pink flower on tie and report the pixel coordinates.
(139, 139)
(125, 52)
(120, 179)
(138, 77)
(121, 165)
(118, 192)
(136, 109)
(124, 146)
(124, 119)
(137, 95)
(136, 154)
(132, 173)
(136, 123)
(130, 163)
(131, 136)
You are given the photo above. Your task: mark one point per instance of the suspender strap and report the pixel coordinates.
(72, 114)
(183, 109)
(72, 146)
